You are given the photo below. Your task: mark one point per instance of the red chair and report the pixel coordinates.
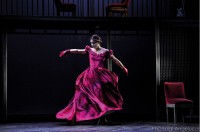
(175, 98)
(65, 7)
(118, 8)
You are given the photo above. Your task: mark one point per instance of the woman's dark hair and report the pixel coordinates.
(96, 38)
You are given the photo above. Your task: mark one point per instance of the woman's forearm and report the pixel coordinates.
(118, 62)
(77, 51)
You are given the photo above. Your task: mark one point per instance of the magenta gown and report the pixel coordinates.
(96, 91)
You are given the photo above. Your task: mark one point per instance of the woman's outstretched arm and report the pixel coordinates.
(119, 63)
(73, 51)
(77, 51)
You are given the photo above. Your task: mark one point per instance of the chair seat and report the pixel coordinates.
(118, 9)
(179, 100)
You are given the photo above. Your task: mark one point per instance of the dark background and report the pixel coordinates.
(39, 83)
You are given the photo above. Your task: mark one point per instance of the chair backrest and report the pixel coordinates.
(125, 2)
(174, 90)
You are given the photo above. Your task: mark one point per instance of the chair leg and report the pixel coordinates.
(183, 119)
(124, 14)
(191, 114)
(175, 115)
(167, 114)
(110, 14)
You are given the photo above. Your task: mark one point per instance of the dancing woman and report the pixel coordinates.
(96, 88)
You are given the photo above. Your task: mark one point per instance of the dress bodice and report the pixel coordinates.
(97, 59)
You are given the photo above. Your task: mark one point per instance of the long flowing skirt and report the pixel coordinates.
(96, 94)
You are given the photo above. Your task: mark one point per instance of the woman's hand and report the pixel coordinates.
(125, 70)
(64, 52)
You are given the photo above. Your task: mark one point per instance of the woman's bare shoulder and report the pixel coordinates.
(104, 49)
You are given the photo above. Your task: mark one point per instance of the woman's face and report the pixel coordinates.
(94, 44)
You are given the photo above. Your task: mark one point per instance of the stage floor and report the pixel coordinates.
(113, 127)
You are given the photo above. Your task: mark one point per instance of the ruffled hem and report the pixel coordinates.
(60, 117)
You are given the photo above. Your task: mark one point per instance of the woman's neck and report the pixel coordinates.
(98, 48)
